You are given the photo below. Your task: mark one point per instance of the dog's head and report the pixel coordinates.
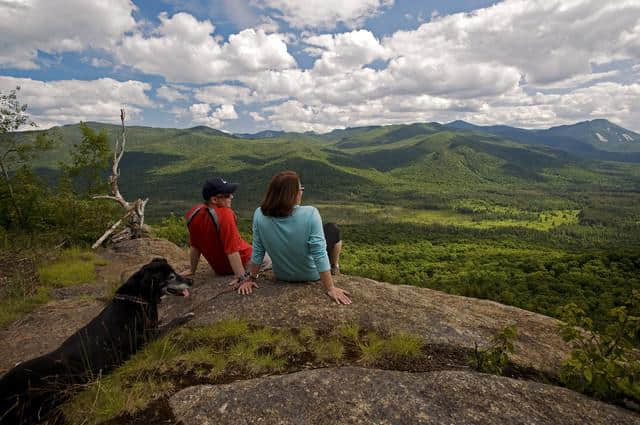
(156, 279)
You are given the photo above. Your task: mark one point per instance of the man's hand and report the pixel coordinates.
(339, 295)
(246, 287)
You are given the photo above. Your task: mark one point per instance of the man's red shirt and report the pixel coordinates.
(214, 243)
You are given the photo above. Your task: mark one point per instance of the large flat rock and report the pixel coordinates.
(437, 317)
(353, 395)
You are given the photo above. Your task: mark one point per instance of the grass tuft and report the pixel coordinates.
(11, 309)
(327, 350)
(371, 348)
(218, 352)
(73, 267)
(350, 332)
(402, 346)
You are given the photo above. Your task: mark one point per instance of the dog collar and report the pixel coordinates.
(131, 298)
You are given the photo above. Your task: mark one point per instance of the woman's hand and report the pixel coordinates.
(246, 287)
(339, 295)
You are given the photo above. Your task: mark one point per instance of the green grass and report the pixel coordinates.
(229, 349)
(74, 266)
(11, 309)
(327, 350)
(71, 267)
(402, 346)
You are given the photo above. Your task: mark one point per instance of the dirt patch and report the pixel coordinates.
(44, 329)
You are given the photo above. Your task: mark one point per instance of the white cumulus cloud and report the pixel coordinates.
(325, 13)
(27, 26)
(182, 49)
(472, 66)
(201, 113)
(224, 93)
(70, 101)
(342, 52)
(170, 93)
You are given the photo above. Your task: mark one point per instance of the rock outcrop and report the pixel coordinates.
(347, 394)
(353, 395)
(436, 317)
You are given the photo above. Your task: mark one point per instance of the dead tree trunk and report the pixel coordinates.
(133, 218)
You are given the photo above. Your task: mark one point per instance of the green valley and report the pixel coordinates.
(534, 224)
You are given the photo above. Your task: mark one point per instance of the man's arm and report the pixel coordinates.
(194, 258)
(236, 263)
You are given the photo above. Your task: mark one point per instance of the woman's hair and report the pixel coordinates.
(281, 194)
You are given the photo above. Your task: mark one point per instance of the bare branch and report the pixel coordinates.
(120, 200)
(134, 226)
(107, 233)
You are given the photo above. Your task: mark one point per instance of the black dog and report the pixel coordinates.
(30, 391)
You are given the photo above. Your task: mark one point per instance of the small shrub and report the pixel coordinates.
(495, 358)
(173, 228)
(605, 365)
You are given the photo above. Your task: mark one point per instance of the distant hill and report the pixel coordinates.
(209, 130)
(266, 134)
(422, 164)
(597, 139)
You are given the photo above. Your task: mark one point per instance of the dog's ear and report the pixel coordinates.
(159, 260)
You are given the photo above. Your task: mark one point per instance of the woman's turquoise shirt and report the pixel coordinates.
(295, 244)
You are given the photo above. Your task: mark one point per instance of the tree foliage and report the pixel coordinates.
(31, 205)
(89, 159)
(16, 150)
(495, 358)
(604, 364)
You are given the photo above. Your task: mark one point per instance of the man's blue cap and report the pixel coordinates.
(215, 186)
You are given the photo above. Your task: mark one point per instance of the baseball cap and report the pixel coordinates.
(217, 185)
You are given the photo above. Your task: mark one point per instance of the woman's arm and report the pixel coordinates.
(318, 249)
(337, 294)
(247, 283)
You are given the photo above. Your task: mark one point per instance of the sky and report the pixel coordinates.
(244, 66)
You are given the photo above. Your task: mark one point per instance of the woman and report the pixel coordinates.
(294, 238)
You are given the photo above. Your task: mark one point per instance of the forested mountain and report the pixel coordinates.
(596, 139)
(424, 164)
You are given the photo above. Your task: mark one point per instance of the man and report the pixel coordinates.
(213, 231)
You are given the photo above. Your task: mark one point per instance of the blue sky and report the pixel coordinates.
(246, 66)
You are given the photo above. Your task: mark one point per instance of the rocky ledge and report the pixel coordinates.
(352, 395)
